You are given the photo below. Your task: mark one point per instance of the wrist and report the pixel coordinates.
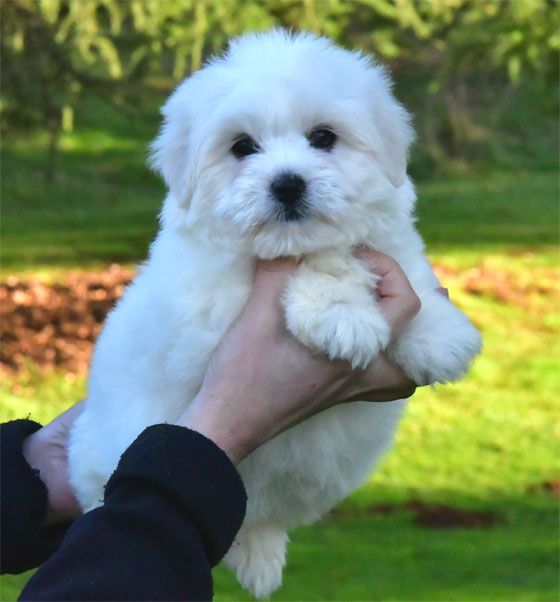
(207, 414)
(38, 452)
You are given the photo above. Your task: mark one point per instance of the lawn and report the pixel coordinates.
(487, 446)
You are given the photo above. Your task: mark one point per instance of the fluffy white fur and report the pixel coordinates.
(217, 218)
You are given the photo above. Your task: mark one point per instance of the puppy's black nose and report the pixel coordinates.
(288, 188)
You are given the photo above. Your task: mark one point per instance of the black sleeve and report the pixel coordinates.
(172, 509)
(24, 543)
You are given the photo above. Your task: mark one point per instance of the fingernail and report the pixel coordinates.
(361, 250)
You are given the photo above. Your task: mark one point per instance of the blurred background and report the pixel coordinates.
(465, 506)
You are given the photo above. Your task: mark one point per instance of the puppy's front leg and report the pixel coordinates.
(439, 345)
(330, 307)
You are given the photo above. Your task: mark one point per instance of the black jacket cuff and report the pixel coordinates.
(193, 473)
(25, 543)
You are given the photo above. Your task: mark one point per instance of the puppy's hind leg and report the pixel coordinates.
(258, 556)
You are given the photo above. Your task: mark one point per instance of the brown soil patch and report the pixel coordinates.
(519, 289)
(552, 487)
(55, 325)
(432, 516)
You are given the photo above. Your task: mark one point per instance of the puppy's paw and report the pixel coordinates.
(341, 331)
(333, 311)
(439, 345)
(258, 556)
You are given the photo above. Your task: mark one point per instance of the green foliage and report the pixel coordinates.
(466, 36)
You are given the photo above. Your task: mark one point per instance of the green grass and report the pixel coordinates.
(482, 444)
(103, 205)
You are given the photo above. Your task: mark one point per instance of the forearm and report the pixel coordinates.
(171, 511)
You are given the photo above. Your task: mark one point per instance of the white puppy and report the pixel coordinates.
(286, 145)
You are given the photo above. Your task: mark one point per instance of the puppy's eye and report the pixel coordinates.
(244, 146)
(322, 138)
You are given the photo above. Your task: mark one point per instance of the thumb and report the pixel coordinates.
(397, 299)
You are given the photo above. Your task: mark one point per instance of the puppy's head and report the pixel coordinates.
(284, 145)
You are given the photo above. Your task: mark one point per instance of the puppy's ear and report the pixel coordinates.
(394, 129)
(171, 154)
(396, 136)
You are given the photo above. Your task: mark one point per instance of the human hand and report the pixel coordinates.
(46, 451)
(261, 380)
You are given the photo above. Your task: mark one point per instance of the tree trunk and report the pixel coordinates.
(54, 126)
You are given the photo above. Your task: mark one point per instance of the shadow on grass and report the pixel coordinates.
(358, 553)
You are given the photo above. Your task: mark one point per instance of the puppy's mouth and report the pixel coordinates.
(293, 212)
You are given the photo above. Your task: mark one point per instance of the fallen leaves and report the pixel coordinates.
(517, 288)
(56, 325)
(432, 516)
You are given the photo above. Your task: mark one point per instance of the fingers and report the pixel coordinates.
(271, 277)
(269, 284)
(397, 299)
